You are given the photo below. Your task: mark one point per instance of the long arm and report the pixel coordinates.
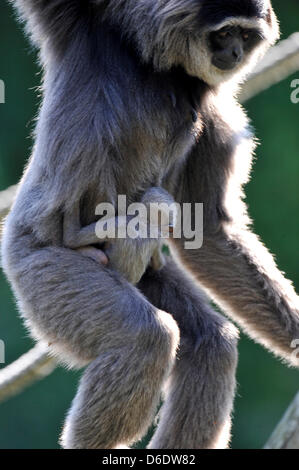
(129, 256)
(53, 21)
(233, 264)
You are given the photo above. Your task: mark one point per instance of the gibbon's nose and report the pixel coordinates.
(237, 53)
(228, 58)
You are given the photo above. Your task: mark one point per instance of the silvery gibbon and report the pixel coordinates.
(138, 96)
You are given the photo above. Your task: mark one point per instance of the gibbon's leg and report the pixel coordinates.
(90, 315)
(75, 236)
(242, 276)
(199, 393)
(130, 257)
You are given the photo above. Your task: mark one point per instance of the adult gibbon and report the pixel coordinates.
(140, 94)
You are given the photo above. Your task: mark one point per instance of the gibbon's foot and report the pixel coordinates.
(95, 254)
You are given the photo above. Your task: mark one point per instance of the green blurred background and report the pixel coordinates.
(34, 418)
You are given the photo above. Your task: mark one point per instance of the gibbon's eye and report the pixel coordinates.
(245, 36)
(223, 34)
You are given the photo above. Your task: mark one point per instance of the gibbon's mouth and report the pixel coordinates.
(226, 65)
(223, 65)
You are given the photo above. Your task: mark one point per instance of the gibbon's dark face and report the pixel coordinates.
(236, 37)
(231, 44)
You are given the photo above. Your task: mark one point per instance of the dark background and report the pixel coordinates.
(33, 419)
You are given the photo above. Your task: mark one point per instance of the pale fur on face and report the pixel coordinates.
(200, 55)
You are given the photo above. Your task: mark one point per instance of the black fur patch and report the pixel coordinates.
(215, 11)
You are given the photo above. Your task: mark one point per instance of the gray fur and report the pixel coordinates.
(205, 368)
(130, 257)
(118, 117)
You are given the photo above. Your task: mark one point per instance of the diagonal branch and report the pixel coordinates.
(286, 434)
(30, 367)
(279, 63)
(6, 200)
